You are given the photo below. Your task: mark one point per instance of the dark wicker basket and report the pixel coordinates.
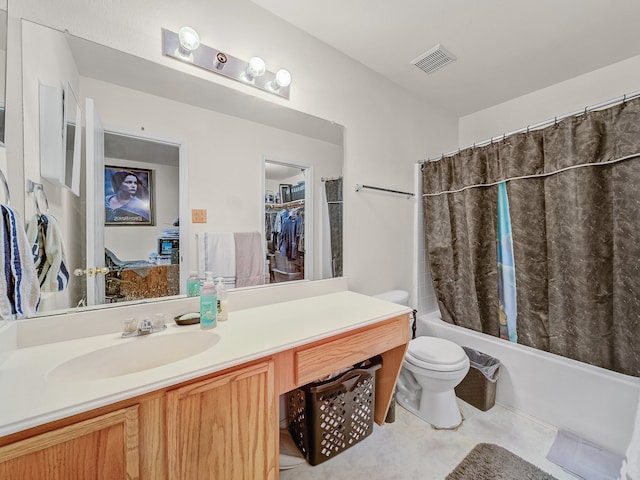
(326, 418)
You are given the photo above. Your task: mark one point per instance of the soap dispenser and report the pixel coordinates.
(208, 303)
(223, 300)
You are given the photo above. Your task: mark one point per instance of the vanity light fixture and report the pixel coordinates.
(185, 46)
(189, 40)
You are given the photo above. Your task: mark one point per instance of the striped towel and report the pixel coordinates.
(19, 289)
(49, 255)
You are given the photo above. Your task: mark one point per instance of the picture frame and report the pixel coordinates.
(128, 196)
(285, 192)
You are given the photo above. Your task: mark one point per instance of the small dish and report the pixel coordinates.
(187, 319)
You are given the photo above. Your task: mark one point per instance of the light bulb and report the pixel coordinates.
(189, 38)
(283, 78)
(256, 68)
(189, 41)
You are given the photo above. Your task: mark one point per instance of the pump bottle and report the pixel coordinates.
(223, 300)
(208, 303)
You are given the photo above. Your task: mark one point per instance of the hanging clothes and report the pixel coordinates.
(19, 288)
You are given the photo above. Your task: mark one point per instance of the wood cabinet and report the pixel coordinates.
(104, 447)
(222, 426)
(225, 427)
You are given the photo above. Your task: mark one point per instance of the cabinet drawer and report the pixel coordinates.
(320, 360)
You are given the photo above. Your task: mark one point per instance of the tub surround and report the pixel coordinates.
(249, 334)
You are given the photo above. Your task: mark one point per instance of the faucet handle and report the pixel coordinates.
(145, 325)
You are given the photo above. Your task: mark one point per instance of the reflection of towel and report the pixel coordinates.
(49, 256)
(217, 254)
(19, 289)
(631, 464)
(249, 259)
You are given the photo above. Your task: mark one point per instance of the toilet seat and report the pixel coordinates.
(437, 354)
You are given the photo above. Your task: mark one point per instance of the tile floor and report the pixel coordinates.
(409, 449)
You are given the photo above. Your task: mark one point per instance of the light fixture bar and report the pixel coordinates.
(223, 64)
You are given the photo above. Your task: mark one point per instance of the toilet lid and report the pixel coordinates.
(436, 353)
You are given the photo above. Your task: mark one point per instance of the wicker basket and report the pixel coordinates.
(328, 417)
(476, 389)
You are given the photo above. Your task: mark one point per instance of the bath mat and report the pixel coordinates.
(490, 462)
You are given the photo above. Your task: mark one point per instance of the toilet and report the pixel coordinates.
(431, 369)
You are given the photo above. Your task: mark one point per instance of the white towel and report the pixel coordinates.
(250, 259)
(631, 464)
(217, 254)
(49, 254)
(19, 288)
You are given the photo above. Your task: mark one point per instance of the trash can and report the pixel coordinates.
(478, 387)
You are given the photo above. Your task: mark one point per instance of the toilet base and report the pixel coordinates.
(439, 409)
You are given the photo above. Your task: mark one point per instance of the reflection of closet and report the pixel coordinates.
(284, 227)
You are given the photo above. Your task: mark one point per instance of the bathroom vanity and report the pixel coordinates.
(212, 414)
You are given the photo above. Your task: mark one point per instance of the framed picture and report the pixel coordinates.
(285, 192)
(128, 196)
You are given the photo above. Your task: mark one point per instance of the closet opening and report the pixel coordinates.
(287, 222)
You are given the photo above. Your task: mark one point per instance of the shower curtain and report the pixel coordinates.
(574, 201)
(333, 189)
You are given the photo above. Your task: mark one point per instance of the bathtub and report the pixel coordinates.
(594, 403)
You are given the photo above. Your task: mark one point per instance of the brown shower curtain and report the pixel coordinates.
(574, 197)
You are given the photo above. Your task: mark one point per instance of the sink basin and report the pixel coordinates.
(134, 355)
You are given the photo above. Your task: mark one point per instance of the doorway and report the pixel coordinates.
(143, 251)
(288, 230)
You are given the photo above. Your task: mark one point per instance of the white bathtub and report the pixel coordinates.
(594, 403)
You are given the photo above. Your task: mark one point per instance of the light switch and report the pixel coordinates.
(198, 215)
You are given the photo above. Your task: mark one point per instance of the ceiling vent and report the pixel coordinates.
(434, 59)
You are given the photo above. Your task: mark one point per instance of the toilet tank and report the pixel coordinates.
(396, 296)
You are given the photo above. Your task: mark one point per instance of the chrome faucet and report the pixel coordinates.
(145, 327)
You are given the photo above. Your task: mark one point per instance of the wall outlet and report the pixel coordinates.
(198, 215)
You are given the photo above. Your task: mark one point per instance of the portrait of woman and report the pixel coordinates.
(127, 196)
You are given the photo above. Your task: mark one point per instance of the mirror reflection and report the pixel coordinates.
(192, 154)
(3, 64)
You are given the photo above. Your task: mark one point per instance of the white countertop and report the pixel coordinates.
(30, 398)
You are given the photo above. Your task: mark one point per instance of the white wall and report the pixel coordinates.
(554, 101)
(386, 129)
(47, 60)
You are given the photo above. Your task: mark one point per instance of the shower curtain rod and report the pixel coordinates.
(551, 121)
(360, 187)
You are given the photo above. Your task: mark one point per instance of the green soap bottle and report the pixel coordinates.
(208, 303)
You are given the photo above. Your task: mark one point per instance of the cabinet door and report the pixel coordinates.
(104, 447)
(224, 428)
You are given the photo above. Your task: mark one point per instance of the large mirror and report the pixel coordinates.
(167, 158)
(3, 64)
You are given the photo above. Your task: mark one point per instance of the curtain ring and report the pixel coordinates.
(527, 128)
(504, 137)
(624, 98)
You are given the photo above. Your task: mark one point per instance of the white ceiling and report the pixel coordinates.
(504, 48)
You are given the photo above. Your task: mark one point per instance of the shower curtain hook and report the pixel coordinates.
(624, 98)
